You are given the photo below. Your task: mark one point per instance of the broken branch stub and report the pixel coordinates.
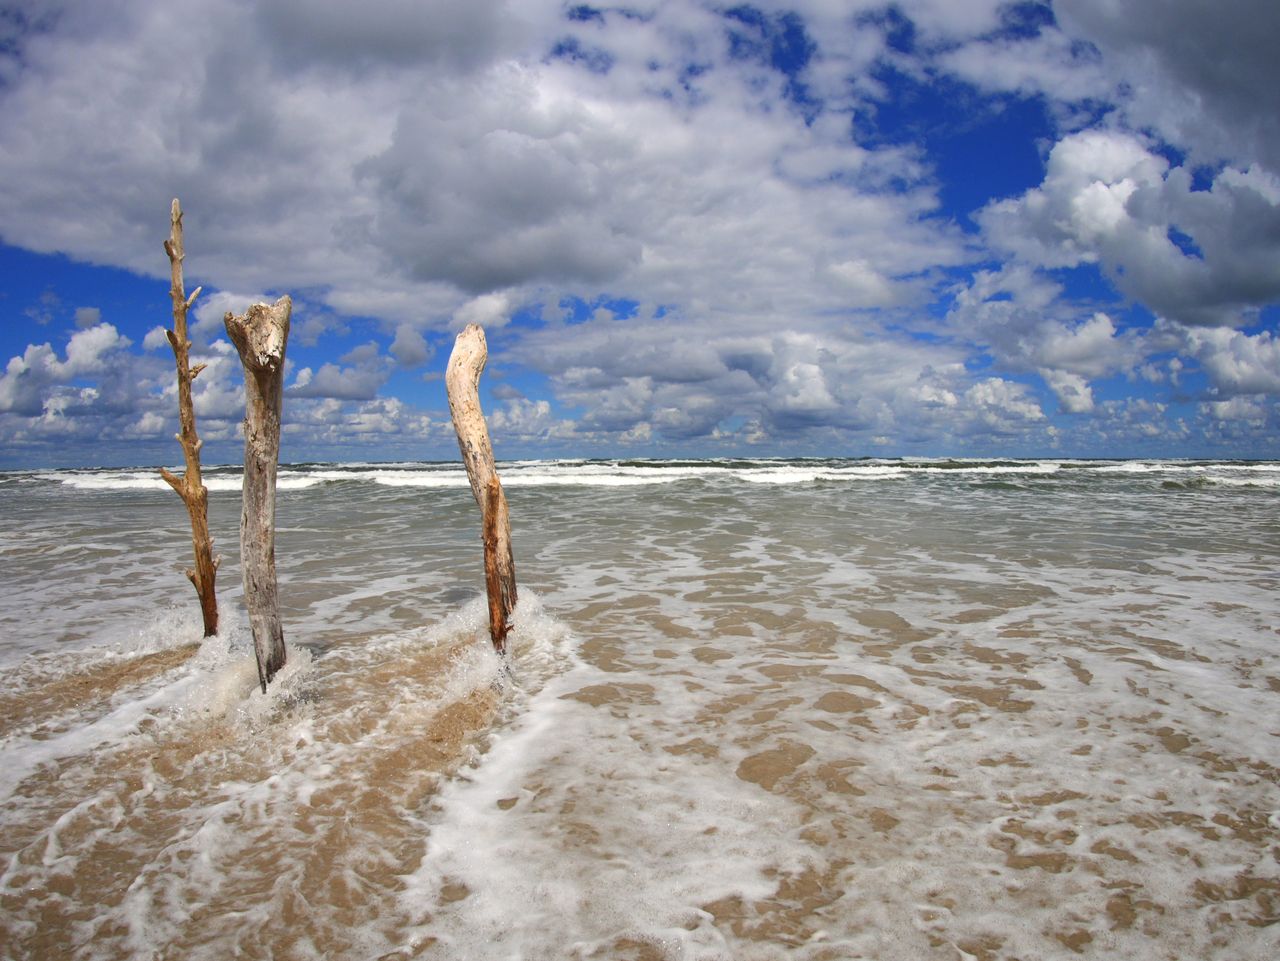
(260, 336)
(462, 383)
(189, 486)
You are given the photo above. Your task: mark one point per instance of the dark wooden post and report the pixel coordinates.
(260, 336)
(189, 486)
(462, 383)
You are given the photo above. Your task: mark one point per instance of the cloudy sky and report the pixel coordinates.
(844, 227)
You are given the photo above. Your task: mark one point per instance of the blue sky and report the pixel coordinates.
(932, 227)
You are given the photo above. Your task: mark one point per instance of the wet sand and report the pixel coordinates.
(824, 722)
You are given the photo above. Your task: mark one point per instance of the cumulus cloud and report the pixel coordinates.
(1196, 256)
(359, 376)
(217, 392)
(1250, 410)
(997, 400)
(333, 426)
(1074, 393)
(487, 310)
(791, 388)
(409, 348)
(1199, 77)
(721, 253)
(1238, 363)
(1021, 319)
(525, 420)
(1202, 75)
(659, 155)
(518, 169)
(156, 339)
(30, 381)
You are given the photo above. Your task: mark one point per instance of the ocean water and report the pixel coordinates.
(761, 709)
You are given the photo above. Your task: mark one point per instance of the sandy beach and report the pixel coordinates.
(756, 710)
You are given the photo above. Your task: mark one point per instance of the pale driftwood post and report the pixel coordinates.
(462, 383)
(189, 486)
(260, 336)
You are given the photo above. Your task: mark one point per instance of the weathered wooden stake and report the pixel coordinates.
(189, 486)
(462, 383)
(260, 336)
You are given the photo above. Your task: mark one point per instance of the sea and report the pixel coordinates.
(758, 709)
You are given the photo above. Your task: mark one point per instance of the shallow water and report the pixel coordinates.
(757, 710)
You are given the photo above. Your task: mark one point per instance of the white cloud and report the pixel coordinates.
(469, 160)
(1237, 363)
(800, 392)
(1107, 199)
(30, 381)
(150, 424)
(520, 419)
(1198, 76)
(1074, 393)
(318, 423)
(1251, 410)
(1000, 402)
(789, 389)
(1089, 349)
(487, 310)
(1049, 62)
(218, 390)
(87, 349)
(364, 373)
(22, 385)
(1202, 75)
(1022, 320)
(344, 383)
(1132, 424)
(516, 170)
(866, 286)
(409, 348)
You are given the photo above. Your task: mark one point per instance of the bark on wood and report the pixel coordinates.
(260, 336)
(462, 382)
(190, 487)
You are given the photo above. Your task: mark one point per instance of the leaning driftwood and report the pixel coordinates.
(189, 486)
(260, 336)
(462, 383)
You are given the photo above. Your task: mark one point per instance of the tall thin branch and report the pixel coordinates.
(190, 487)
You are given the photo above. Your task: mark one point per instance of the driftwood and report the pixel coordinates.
(260, 336)
(190, 487)
(462, 383)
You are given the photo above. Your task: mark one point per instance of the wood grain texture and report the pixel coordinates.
(462, 382)
(190, 486)
(260, 336)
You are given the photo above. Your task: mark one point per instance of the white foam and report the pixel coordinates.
(804, 475)
(1023, 703)
(580, 473)
(1257, 480)
(33, 746)
(108, 480)
(436, 478)
(678, 836)
(152, 481)
(1034, 468)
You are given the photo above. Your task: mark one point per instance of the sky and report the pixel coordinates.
(923, 228)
